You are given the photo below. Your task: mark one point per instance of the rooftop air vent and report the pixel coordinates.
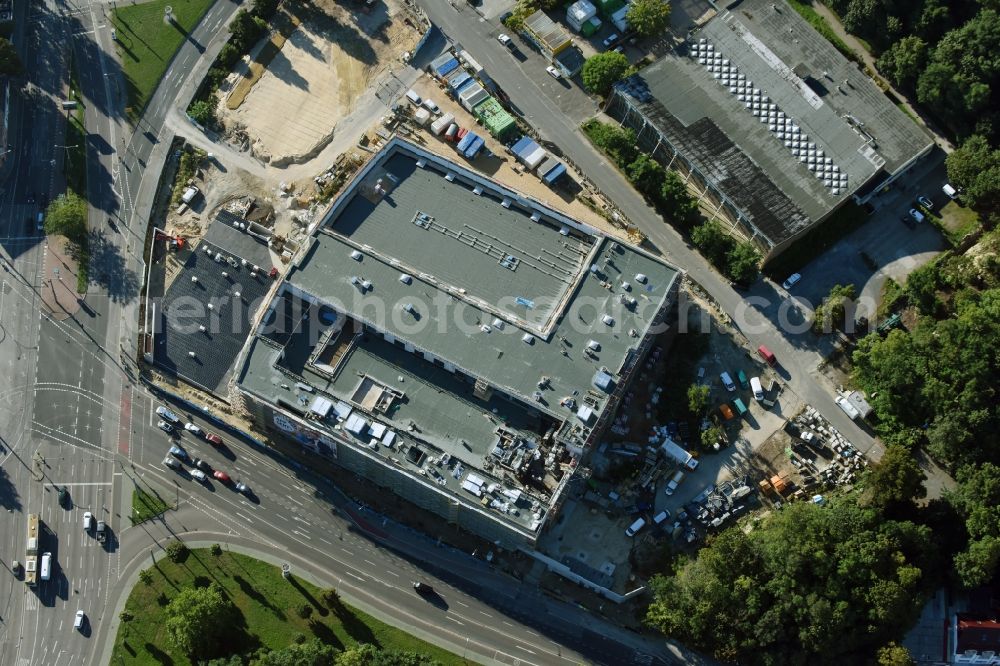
(536, 216)
(608, 319)
(594, 345)
(485, 328)
(640, 278)
(405, 279)
(509, 261)
(356, 256)
(366, 284)
(564, 231)
(506, 202)
(528, 338)
(408, 307)
(421, 163)
(627, 286)
(477, 190)
(498, 324)
(449, 177)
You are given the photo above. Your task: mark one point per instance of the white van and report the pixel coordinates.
(661, 516)
(634, 528)
(78, 620)
(727, 381)
(413, 97)
(950, 191)
(46, 570)
(758, 390)
(674, 481)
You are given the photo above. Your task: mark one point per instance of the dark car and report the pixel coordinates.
(63, 496)
(201, 464)
(422, 588)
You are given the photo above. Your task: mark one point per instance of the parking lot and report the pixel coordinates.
(896, 248)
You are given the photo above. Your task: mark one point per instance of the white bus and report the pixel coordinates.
(46, 568)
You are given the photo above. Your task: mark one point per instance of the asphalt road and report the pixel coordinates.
(556, 110)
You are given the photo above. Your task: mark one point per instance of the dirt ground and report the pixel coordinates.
(321, 71)
(502, 166)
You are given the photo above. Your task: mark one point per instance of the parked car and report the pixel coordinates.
(79, 620)
(792, 280)
(242, 488)
(192, 428)
(553, 72)
(199, 475)
(165, 427)
(88, 521)
(949, 191)
(610, 40)
(917, 216)
(167, 415)
(102, 531)
(431, 106)
(63, 496)
(171, 463)
(212, 438)
(848, 408)
(504, 39)
(727, 381)
(198, 463)
(178, 452)
(925, 202)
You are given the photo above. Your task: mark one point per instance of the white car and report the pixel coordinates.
(610, 40)
(192, 428)
(504, 39)
(431, 106)
(165, 413)
(88, 521)
(198, 474)
(848, 408)
(164, 426)
(553, 72)
(78, 620)
(792, 280)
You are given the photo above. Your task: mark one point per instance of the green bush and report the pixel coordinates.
(603, 70)
(176, 551)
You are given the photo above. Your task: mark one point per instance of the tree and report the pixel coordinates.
(243, 29)
(126, 616)
(305, 611)
(712, 241)
(648, 17)
(331, 598)
(743, 263)
(199, 619)
(826, 584)
(902, 62)
(202, 112)
(618, 142)
(177, 551)
(697, 396)
(894, 654)
(603, 70)
(677, 202)
(895, 481)
(832, 312)
(976, 500)
(367, 654)
(307, 653)
(216, 550)
(146, 577)
(712, 435)
(10, 62)
(646, 174)
(67, 216)
(975, 168)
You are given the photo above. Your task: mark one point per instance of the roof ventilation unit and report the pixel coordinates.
(627, 286)
(421, 163)
(536, 216)
(450, 177)
(405, 279)
(640, 278)
(477, 190)
(498, 324)
(194, 278)
(366, 285)
(528, 338)
(564, 231)
(608, 319)
(594, 345)
(356, 256)
(485, 328)
(506, 202)
(191, 354)
(408, 307)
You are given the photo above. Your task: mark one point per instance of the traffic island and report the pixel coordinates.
(60, 299)
(254, 610)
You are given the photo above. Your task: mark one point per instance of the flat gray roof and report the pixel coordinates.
(834, 109)
(457, 295)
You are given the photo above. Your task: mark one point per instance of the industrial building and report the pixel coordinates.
(774, 126)
(453, 341)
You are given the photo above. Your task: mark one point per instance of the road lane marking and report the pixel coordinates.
(521, 647)
(449, 617)
(460, 603)
(243, 517)
(357, 577)
(485, 613)
(371, 563)
(392, 573)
